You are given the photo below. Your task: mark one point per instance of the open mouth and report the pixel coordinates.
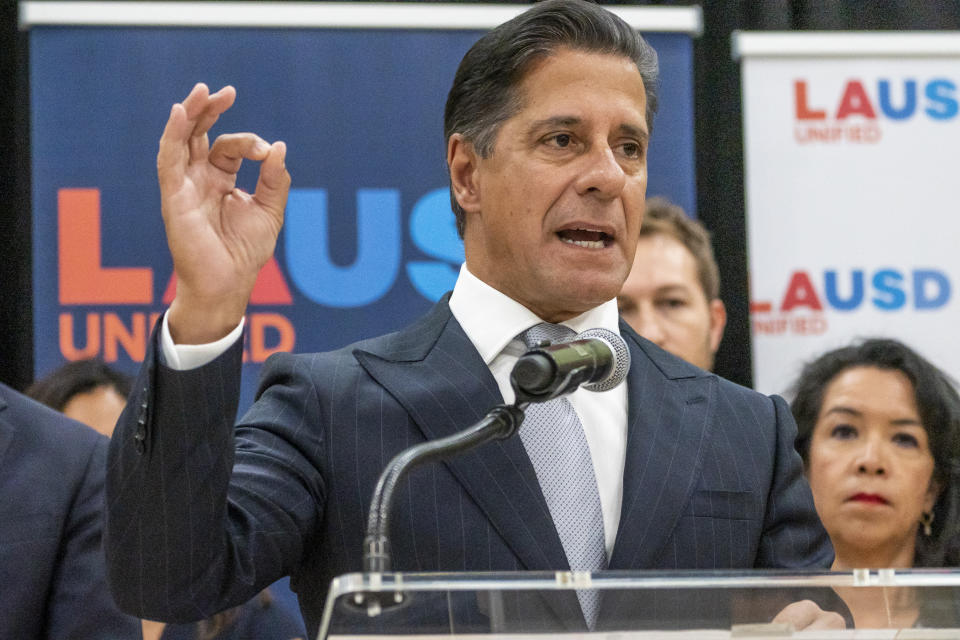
(586, 238)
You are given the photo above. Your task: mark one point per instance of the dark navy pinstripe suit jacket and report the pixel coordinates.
(202, 514)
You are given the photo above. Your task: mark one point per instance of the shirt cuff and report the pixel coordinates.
(181, 357)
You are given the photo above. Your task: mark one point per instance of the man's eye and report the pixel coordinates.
(632, 150)
(561, 140)
(673, 303)
(843, 432)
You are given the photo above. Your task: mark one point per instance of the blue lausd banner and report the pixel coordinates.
(369, 241)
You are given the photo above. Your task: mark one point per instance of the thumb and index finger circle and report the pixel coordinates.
(231, 149)
(273, 184)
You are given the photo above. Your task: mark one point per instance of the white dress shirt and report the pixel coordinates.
(492, 322)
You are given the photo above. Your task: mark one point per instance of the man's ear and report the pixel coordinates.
(463, 162)
(718, 321)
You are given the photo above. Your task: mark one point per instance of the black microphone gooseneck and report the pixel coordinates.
(501, 422)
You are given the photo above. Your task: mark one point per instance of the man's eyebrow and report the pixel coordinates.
(635, 132)
(572, 121)
(673, 287)
(555, 121)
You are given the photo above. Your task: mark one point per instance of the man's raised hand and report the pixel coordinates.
(219, 235)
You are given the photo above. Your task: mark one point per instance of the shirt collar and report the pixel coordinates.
(492, 319)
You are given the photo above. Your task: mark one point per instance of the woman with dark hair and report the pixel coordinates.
(878, 433)
(86, 390)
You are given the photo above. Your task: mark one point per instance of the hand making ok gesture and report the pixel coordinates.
(219, 235)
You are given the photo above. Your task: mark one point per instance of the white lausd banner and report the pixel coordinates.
(852, 144)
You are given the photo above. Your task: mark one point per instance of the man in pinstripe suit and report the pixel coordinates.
(547, 126)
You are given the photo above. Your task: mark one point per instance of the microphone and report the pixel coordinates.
(598, 359)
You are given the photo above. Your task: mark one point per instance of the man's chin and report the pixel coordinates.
(595, 288)
(577, 295)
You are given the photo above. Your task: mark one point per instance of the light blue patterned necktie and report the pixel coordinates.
(553, 437)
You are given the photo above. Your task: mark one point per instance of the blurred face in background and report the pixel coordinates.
(664, 301)
(870, 467)
(99, 408)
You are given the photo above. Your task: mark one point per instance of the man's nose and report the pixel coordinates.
(602, 174)
(870, 458)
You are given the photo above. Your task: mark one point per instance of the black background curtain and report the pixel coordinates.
(719, 152)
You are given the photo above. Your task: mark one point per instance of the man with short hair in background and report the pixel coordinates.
(672, 295)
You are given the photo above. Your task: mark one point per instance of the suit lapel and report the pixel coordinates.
(670, 405)
(441, 381)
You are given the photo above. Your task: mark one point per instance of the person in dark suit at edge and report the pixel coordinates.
(92, 392)
(53, 581)
(547, 125)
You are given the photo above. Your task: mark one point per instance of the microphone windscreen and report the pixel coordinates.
(621, 358)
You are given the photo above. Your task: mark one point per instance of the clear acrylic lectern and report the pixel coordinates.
(907, 605)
